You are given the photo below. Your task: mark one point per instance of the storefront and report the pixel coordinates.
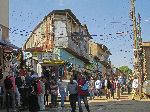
(58, 63)
(73, 65)
(6, 57)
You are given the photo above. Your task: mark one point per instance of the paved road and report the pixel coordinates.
(114, 106)
(125, 104)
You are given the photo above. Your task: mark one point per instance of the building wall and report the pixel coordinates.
(93, 48)
(96, 50)
(4, 19)
(104, 71)
(61, 39)
(4, 8)
(64, 35)
(42, 36)
(64, 55)
(4, 34)
(147, 62)
(57, 31)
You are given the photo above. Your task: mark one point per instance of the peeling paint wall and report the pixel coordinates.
(42, 37)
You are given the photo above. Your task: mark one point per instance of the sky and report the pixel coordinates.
(105, 19)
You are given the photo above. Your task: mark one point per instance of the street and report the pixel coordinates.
(125, 104)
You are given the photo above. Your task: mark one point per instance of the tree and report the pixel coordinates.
(125, 69)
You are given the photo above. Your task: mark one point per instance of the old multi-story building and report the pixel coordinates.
(99, 54)
(146, 54)
(58, 39)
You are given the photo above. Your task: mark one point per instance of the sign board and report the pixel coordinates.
(47, 56)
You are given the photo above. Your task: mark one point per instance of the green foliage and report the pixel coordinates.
(125, 69)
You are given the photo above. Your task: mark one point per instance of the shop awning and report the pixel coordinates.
(8, 44)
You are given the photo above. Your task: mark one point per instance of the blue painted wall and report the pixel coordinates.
(66, 56)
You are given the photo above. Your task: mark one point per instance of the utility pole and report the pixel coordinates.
(133, 18)
(140, 55)
(134, 22)
(137, 49)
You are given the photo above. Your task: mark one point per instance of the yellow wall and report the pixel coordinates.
(95, 50)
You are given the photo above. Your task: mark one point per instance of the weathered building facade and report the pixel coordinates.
(146, 64)
(99, 54)
(59, 38)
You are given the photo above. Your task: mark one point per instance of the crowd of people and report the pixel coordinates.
(29, 91)
(104, 86)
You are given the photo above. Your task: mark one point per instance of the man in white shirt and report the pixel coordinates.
(134, 87)
(98, 86)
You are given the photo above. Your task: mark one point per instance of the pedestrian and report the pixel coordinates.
(41, 92)
(134, 87)
(108, 88)
(19, 84)
(72, 88)
(117, 89)
(112, 88)
(23, 71)
(98, 87)
(25, 90)
(33, 99)
(91, 88)
(105, 86)
(82, 92)
(54, 93)
(28, 79)
(61, 86)
(47, 85)
(129, 86)
(10, 88)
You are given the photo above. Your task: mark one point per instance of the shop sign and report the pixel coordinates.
(47, 56)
